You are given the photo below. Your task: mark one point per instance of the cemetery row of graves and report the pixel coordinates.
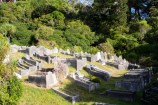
(82, 83)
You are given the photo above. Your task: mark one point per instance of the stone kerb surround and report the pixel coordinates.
(72, 97)
(98, 72)
(83, 82)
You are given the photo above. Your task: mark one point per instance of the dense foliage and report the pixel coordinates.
(126, 27)
(10, 86)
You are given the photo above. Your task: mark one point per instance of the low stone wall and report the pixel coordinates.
(72, 98)
(24, 72)
(123, 95)
(39, 80)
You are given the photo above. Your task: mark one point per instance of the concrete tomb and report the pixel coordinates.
(80, 80)
(45, 78)
(92, 69)
(123, 95)
(78, 64)
(135, 80)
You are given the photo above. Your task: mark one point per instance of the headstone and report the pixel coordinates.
(55, 50)
(48, 52)
(98, 56)
(31, 50)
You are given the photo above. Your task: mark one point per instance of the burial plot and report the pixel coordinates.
(45, 78)
(72, 97)
(92, 69)
(31, 61)
(78, 64)
(46, 58)
(84, 82)
(26, 67)
(135, 80)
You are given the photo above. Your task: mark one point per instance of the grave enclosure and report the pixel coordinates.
(135, 79)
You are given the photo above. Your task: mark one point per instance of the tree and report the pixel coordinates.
(106, 47)
(79, 34)
(44, 32)
(10, 86)
(4, 47)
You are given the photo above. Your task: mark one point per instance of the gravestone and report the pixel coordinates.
(55, 50)
(98, 56)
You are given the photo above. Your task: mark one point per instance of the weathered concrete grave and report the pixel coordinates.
(92, 69)
(72, 97)
(123, 95)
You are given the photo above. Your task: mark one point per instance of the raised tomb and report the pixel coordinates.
(84, 82)
(92, 69)
(48, 77)
(135, 79)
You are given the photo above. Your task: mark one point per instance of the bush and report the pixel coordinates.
(11, 91)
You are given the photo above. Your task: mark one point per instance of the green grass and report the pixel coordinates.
(16, 56)
(38, 96)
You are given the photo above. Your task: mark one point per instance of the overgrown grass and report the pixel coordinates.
(16, 56)
(38, 96)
